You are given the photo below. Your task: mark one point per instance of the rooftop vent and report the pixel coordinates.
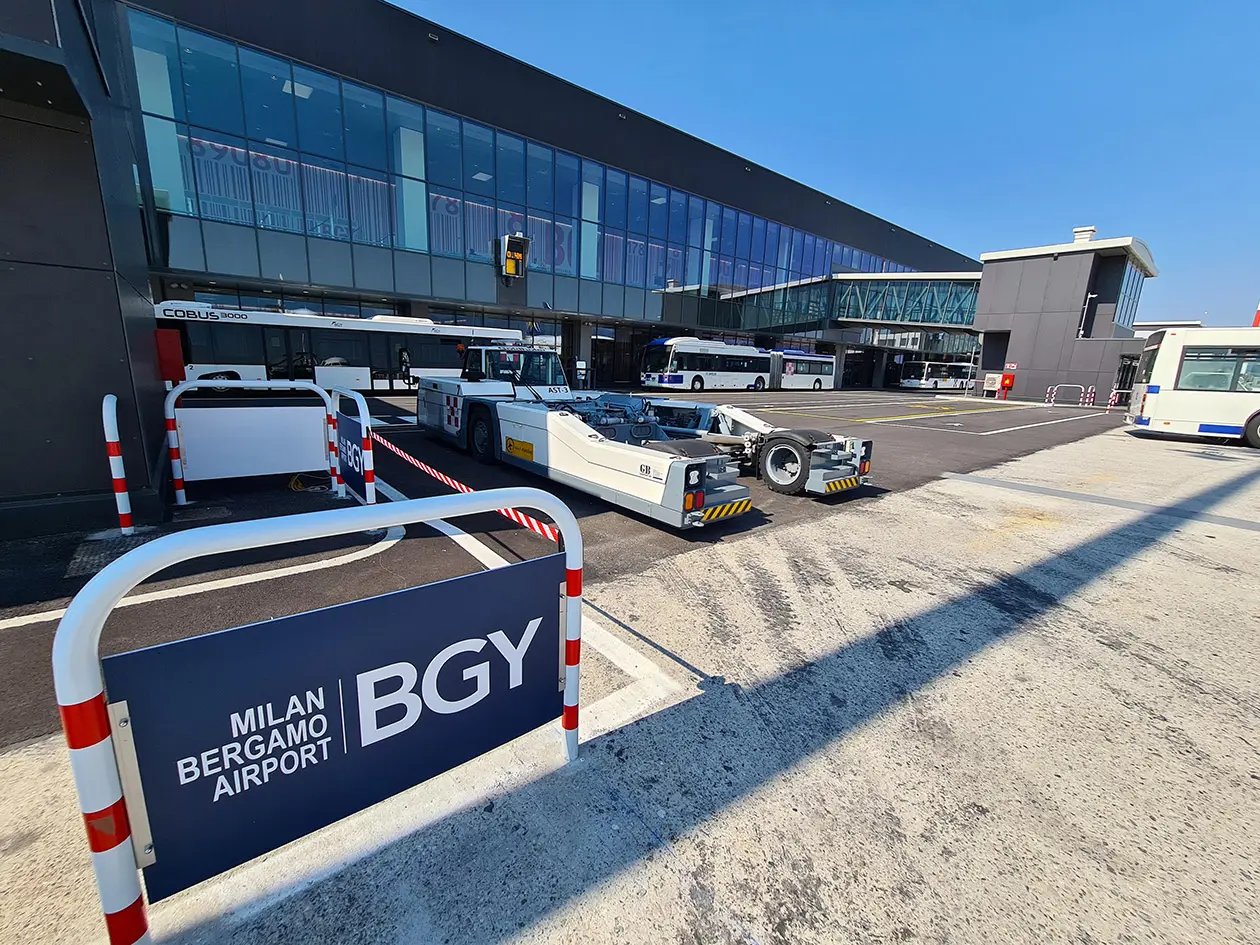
(1083, 234)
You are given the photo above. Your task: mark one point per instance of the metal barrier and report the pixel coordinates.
(118, 827)
(1052, 393)
(1087, 399)
(1116, 397)
(172, 430)
(113, 448)
(354, 453)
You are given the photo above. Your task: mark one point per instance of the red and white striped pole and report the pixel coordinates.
(172, 448)
(109, 420)
(334, 463)
(1049, 395)
(86, 724)
(369, 467)
(572, 651)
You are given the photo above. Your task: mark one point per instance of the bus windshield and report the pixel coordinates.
(656, 358)
(1146, 366)
(540, 368)
(914, 370)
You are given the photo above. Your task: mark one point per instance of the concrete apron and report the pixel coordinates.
(959, 713)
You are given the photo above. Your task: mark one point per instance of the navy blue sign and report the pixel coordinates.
(350, 453)
(250, 738)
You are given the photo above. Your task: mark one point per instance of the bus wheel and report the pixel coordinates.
(1251, 432)
(697, 383)
(221, 376)
(784, 466)
(817, 385)
(759, 384)
(481, 437)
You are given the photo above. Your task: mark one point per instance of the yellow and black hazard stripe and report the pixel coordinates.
(839, 485)
(728, 510)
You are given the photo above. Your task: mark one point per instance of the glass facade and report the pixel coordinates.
(1130, 295)
(237, 135)
(938, 302)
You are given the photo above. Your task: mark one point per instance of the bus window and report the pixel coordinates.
(277, 354)
(199, 343)
(238, 344)
(378, 349)
(1208, 368)
(301, 361)
(338, 348)
(656, 359)
(1249, 373)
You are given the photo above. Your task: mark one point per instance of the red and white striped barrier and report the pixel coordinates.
(172, 430)
(520, 518)
(113, 448)
(331, 423)
(1050, 391)
(1087, 398)
(80, 687)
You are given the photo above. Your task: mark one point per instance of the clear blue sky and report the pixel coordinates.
(983, 125)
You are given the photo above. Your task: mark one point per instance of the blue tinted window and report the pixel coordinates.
(695, 225)
(277, 188)
(820, 258)
(589, 253)
(846, 257)
(725, 271)
(677, 214)
(565, 256)
(221, 164)
(318, 99)
(369, 206)
(613, 250)
(741, 273)
(324, 191)
(786, 235)
(478, 159)
(444, 150)
(405, 126)
(541, 165)
(364, 112)
(675, 269)
(446, 218)
(712, 226)
(744, 241)
(479, 228)
(694, 260)
(758, 239)
(212, 85)
(170, 165)
(541, 233)
(638, 212)
(511, 220)
(772, 244)
(267, 83)
(568, 185)
(729, 227)
(509, 153)
(155, 53)
(807, 258)
(592, 197)
(411, 215)
(656, 255)
(615, 199)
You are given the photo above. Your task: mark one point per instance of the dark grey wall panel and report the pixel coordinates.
(29, 19)
(1034, 276)
(1085, 356)
(481, 285)
(230, 249)
(373, 268)
(1065, 291)
(61, 351)
(652, 304)
(998, 288)
(282, 256)
(614, 301)
(183, 239)
(590, 297)
(448, 278)
(411, 273)
(566, 294)
(634, 302)
(330, 262)
(50, 199)
(384, 46)
(538, 289)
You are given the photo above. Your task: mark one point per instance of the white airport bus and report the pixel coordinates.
(381, 353)
(1201, 382)
(793, 369)
(704, 365)
(938, 375)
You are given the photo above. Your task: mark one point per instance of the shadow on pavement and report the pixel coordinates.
(487, 872)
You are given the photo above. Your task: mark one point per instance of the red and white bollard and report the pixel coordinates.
(177, 467)
(1087, 397)
(333, 462)
(1050, 391)
(109, 420)
(369, 468)
(86, 724)
(572, 656)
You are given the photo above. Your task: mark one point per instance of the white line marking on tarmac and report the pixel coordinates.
(1044, 423)
(392, 537)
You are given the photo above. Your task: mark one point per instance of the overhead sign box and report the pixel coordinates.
(249, 738)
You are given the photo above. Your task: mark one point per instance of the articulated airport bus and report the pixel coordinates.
(381, 353)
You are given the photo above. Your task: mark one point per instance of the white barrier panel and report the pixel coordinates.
(226, 442)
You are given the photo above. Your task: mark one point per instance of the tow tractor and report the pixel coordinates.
(676, 462)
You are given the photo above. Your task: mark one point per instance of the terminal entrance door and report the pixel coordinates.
(859, 368)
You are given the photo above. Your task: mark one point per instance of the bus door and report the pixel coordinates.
(288, 352)
(381, 366)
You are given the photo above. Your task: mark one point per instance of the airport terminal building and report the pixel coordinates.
(349, 158)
